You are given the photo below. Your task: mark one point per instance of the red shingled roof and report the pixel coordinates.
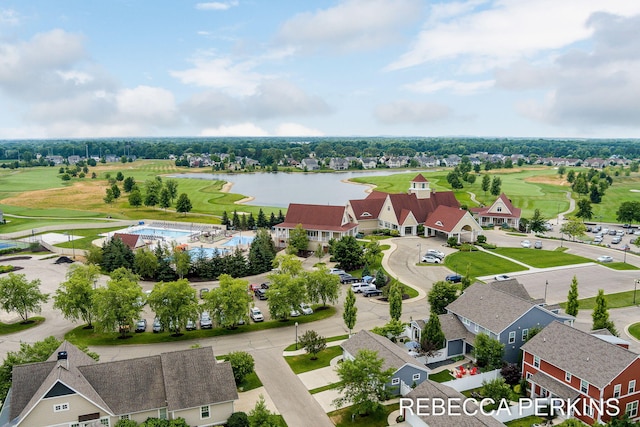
(131, 240)
(316, 217)
(419, 178)
(515, 212)
(445, 218)
(371, 205)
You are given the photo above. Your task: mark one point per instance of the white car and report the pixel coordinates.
(431, 259)
(604, 258)
(361, 286)
(597, 239)
(434, 252)
(306, 308)
(294, 313)
(525, 244)
(502, 277)
(256, 314)
(337, 271)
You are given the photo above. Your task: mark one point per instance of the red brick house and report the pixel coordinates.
(566, 363)
(322, 223)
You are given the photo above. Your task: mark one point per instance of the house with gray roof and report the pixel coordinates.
(566, 363)
(72, 389)
(502, 310)
(407, 370)
(427, 391)
(309, 164)
(339, 164)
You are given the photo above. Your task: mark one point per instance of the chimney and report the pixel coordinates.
(62, 355)
(62, 360)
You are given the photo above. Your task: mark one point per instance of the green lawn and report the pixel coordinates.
(343, 417)
(93, 337)
(617, 300)
(292, 347)
(250, 382)
(480, 264)
(441, 377)
(620, 266)
(526, 421)
(303, 362)
(540, 258)
(10, 328)
(325, 388)
(634, 330)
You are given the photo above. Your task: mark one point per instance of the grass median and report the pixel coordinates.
(94, 337)
(539, 258)
(11, 328)
(617, 300)
(480, 264)
(303, 363)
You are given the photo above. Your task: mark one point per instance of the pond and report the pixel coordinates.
(280, 189)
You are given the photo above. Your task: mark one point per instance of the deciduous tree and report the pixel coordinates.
(432, 338)
(117, 305)
(348, 253)
(174, 303)
(229, 302)
(242, 364)
(573, 227)
(313, 343)
(441, 294)
(19, 295)
(488, 352)
(74, 297)
(183, 205)
(298, 240)
(322, 286)
(395, 300)
(600, 315)
(572, 298)
(350, 310)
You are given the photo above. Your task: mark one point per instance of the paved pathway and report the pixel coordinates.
(290, 396)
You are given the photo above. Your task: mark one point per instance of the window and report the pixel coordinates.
(567, 376)
(512, 337)
(416, 377)
(124, 417)
(499, 209)
(632, 409)
(105, 421)
(395, 381)
(465, 321)
(632, 386)
(616, 390)
(525, 334)
(536, 361)
(477, 327)
(584, 386)
(58, 407)
(162, 413)
(588, 410)
(529, 375)
(204, 412)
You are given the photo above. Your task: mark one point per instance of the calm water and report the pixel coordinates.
(280, 189)
(149, 231)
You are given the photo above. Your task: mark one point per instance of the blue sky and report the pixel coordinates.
(117, 68)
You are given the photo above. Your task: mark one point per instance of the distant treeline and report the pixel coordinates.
(269, 151)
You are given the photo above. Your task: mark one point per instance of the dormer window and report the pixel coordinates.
(366, 214)
(499, 209)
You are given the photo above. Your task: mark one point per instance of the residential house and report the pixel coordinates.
(397, 162)
(452, 222)
(71, 389)
(502, 310)
(369, 162)
(451, 160)
(73, 159)
(572, 365)
(57, 160)
(407, 371)
(309, 164)
(418, 411)
(427, 162)
(338, 164)
(322, 223)
(500, 212)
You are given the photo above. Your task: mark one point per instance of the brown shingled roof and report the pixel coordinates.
(394, 357)
(445, 218)
(316, 217)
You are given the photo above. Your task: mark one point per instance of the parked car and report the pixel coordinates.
(605, 231)
(616, 239)
(157, 326)
(372, 292)
(619, 232)
(261, 294)
(141, 325)
(264, 285)
(538, 244)
(597, 229)
(294, 312)
(191, 325)
(453, 278)
(612, 232)
(205, 321)
(337, 271)
(525, 244)
(256, 314)
(306, 308)
(435, 252)
(361, 286)
(431, 259)
(254, 287)
(203, 292)
(502, 277)
(604, 258)
(347, 278)
(597, 239)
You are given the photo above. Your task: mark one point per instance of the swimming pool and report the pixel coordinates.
(150, 231)
(4, 245)
(239, 240)
(207, 253)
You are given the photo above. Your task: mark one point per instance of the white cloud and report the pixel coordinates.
(217, 5)
(503, 31)
(242, 129)
(147, 104)
(277, 97)
(429, 85)
(411, 112)
(351, 25)
(296, 129)
(9, 17)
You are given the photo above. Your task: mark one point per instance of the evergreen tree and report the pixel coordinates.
(496, 184)
(251, 222)
(594, 194)
(600, 315)
(432, 338)
(116, 254)
(235, 220)
(165, 199)
(243, 222)
(395, 300)
(262, 220)
(572, 298)
(280, 217)
(273, 220)
(262, 252)
(225, 219)
(129, 183)
(486, 183)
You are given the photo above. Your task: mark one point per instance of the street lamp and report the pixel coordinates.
(546, 284)
(419, 245)
(635, 286)
(296, 335)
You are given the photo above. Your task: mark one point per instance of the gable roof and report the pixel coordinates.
(590, 358)
(317, 217)
(131, 240)
(371, 205)
(454, 417)
(445, 218)
(176, 380)
(453, 329)
(515, 212)
(393, 356)
(490, 307)
(419, 178)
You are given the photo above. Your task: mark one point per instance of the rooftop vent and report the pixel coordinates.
(62, 355)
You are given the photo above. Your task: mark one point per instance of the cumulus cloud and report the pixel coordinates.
(296, 129)
(217, 5)
(350, 26)
(241, 129)
(498, 32)
(411, 112)
(430, 85)
(586, 89)
(9, 17)
(147, 104)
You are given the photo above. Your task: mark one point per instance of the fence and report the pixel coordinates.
(473, 381)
